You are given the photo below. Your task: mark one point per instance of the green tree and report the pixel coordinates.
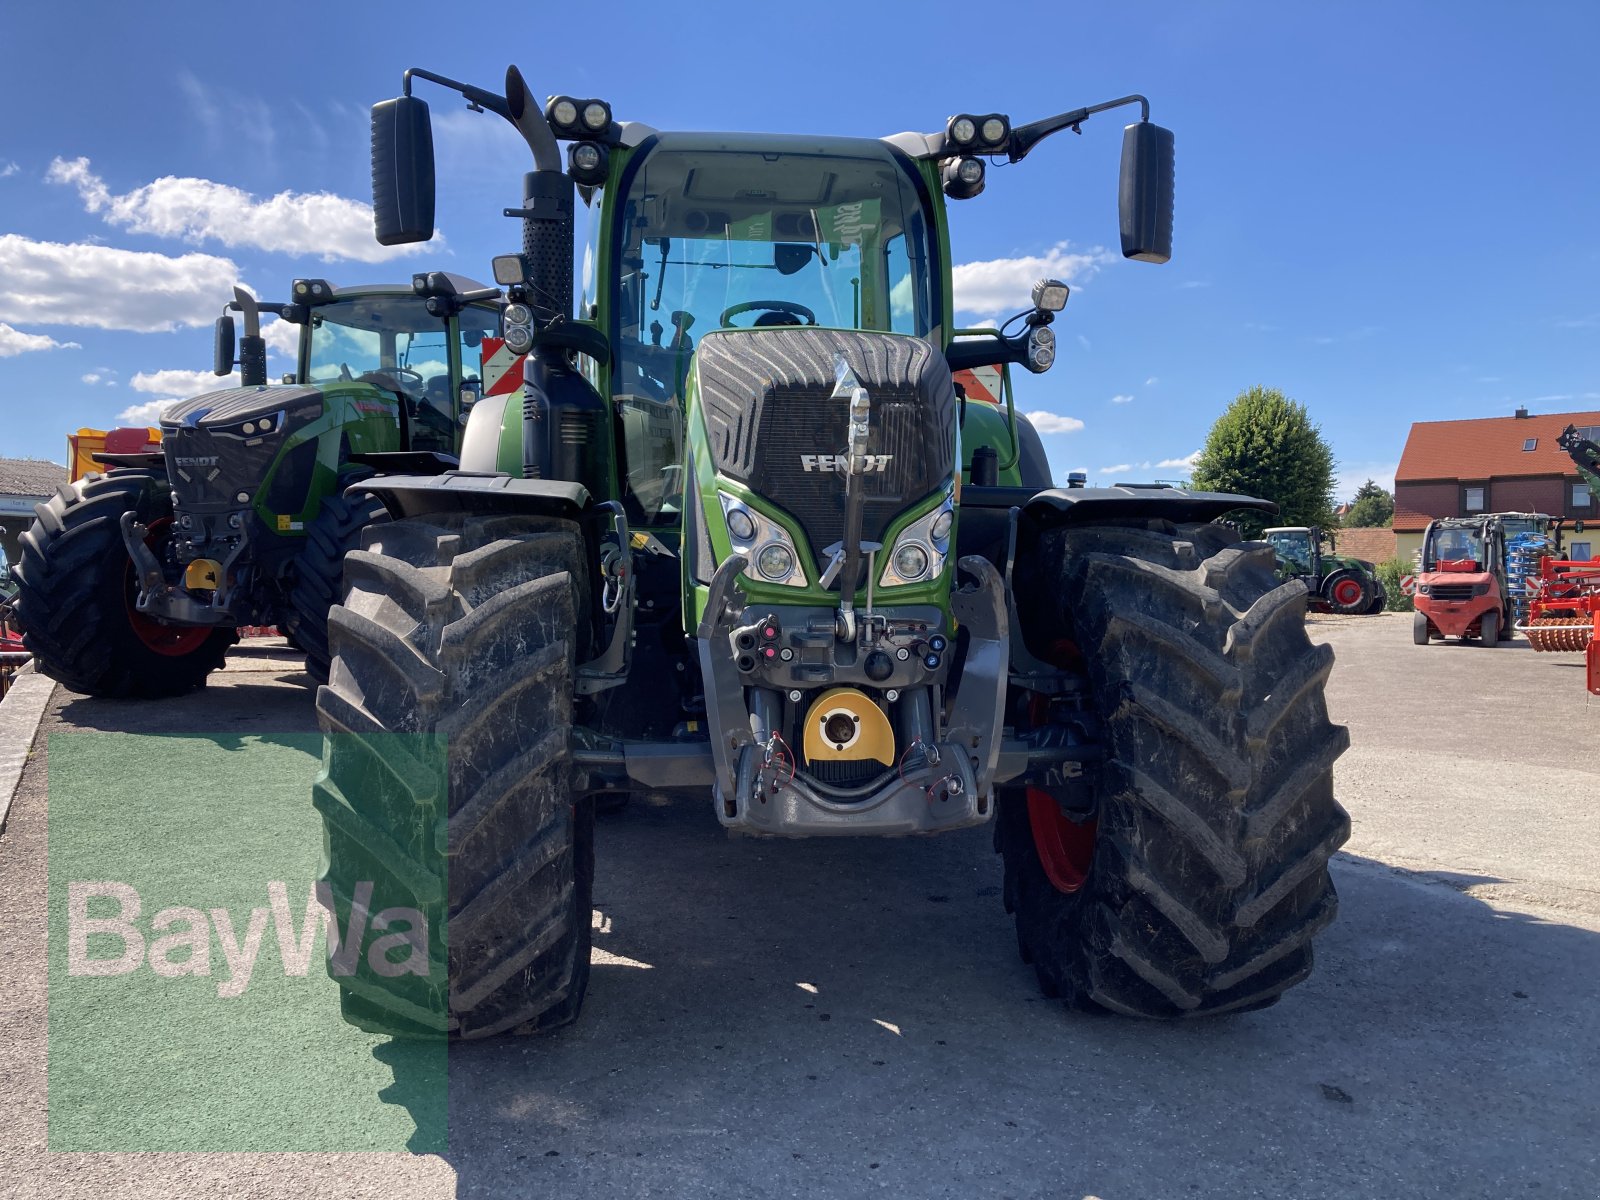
(1265, 445)
(1373, 508)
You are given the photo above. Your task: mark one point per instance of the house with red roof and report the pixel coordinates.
(1495, 464)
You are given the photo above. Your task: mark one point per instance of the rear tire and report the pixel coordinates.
(334, 533)
(1216, 817)
(448, 776)
(1348, 593)
(76, 590)
(1419, 628)
(1489, 628)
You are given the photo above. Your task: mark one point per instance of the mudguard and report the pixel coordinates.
(461, 491)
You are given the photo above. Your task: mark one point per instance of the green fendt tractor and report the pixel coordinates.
(1337, 582)
(133, 582)
(741, 535)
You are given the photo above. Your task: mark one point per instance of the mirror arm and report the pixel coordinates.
(529, 123)
(1025, 137)
(476, 96)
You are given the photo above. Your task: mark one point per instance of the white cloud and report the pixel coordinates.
(282, 337)
(148, 413)
(58, 283)
(179, 384)
(1185, 463)
(1116, 470)
(196, 210)
(1152, 381)
(1002, 285)
(8, 170)
(1187, 284)
(1049, 422)
(1121, 399)
(14, 342)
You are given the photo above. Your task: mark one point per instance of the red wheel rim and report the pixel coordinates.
(1346, 591)
(1066, 849)
(174, 641)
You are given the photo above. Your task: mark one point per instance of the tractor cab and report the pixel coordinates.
(1461, 588)
(1299, 550)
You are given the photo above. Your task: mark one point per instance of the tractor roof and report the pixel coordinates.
(1288, 529)
(461, 283)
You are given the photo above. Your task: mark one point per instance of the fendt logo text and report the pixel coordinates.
(841, 462)
(210, 461)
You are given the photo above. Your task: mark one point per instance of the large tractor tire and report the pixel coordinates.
(77, 587)
(1348, 592)
(1198, 883)
(447, 779)
(317, 573)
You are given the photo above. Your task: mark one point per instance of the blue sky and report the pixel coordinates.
(1386, 210)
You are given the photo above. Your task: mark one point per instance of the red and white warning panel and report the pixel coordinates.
(502, 370)
(979, 383)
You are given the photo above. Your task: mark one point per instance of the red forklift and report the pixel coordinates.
(1461, 587)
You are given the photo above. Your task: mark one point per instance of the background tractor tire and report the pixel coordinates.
(1419, 628)
(447, 779)
(1348, 593)
(1208, 875)
(318, 571)
(76, 592)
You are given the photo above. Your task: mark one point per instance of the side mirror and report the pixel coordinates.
(1145, 195)
(222, 347)
(402, 171)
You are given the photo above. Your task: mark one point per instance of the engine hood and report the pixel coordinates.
(232, 405)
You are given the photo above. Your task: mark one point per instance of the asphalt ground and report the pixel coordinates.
(850, 1018)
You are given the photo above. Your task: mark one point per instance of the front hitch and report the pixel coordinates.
(157, 598)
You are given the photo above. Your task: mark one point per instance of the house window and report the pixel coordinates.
(1579, 552)
(1581, 496)
(1590, 433)
(1472, 499)
(1530, 444)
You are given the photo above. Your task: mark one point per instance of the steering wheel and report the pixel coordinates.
(788, 307)
(408, 381)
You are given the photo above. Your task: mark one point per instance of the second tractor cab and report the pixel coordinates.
(1338, 583)
(1461, 589)
(239, 517)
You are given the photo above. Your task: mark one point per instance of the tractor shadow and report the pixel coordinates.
(764, 1008)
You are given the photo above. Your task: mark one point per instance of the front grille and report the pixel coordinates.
(1451, 591)
(770, 411)
(202, 483)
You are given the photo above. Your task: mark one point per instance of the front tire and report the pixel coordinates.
(1215, 820)
(1419, 628)
(447, 780)
(334, 533)
(1489, 628)
(76, 592)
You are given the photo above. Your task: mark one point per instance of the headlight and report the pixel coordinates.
(1424, 590)
(565, 112)
(767, 545)
(596, 116)
(586, 163)
(775, 561)
(994, 130)
(911, 562)
(963, 130)
(921, 548)
(519, 339)
(1041, 348)
(518, 314)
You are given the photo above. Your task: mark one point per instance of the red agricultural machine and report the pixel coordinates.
(1564, 599)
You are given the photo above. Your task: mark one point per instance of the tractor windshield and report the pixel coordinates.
(1293, 549)
(712, 236)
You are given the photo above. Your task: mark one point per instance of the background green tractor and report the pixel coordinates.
(741, 535)
(133, 582)
(1338, 583)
